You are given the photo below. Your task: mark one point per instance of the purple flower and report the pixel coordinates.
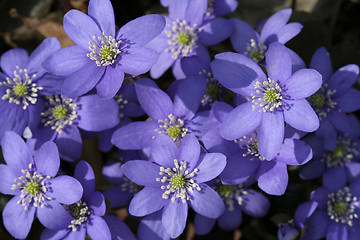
(119, 230)
(275, 98)
(32, 180)
(62, 118)
(247, 41)
(237, 198)
(335, 98)
(101, 57)
(173, 119)
(187, 34)
(176, 179)
(23, 84)
(336, 216)
(151, 227)
(85, 214)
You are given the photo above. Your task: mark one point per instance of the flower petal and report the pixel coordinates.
(309, 121)
(47, 159)
(65, 189)
(343, 79)
(163, 151)
(288, 32)
(151, 227)
(312, 170)
(136, 61)
(110, 82)
(304, 211)
(349, 101)
(195, 12)
(16, 220)
(53, 215)
(215, 31)
(164, 62)
(255, 204)
(210, 166)
(275, 23)
(317, 225)
(189, 151)
(85, 175)
(321, 62)
(141, 172)
(102, 13)
(7, 178)
(278, 62)
(203, 225)
(303, 83)
(174, 217)
(294, 152)
(334, 178)
(75, 235)
(119, 230)
(69, 144)
(207, 202)
(13, 58)
(230, 220)
(273, 177)
(147, 201)
(49, 234)
(337, 231)
(97, 229)
(242, 34)
(237, 124)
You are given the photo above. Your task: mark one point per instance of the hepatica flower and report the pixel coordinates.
(187, 34)
(175, 179)
(35, 188)
(335, 98)
(276, 98)
(23, 84)
(101, 57)
(85, 214)
(62, 118)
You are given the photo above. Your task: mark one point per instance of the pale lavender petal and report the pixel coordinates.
(177, 9)
(49, 234)
(163, 151)
(309, 121)
(85, 175)
(76, 235)
(294, 152)
(215, 31)
(174, 217)
(195, 12)
(155, 102)
(80, 28)
(64, 189)
(110, 82)
(207, 202)
(255, 204)
(151, 227)
(321, 62)
(177, 70)
(66, 61)
(7, 178)
(147, 201)
(242, 34)
(275, 23)
(53, 215)
(210, 166)
(97, 229)
(273, 177)
(141, 172)
(47, 159)
(16, 220)
(278, 62)
(237, 124)
(164, 62)
(213, 142)
(16, 154)
(288, 32)
(51, 85)
(189, 151)
(303, 83)
(69, 144)
(271, 134)
(343, 79)
(12, 58)
(136, 61)
(102, 13)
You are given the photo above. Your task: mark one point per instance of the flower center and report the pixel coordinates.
(32, 186)
(213, 90)
(341, 206)
(59, 113)
(226, 190)
(182, 38)
(173, 127)
(322, 102)
(345, 151)
(268, 96)
(251, 146)
(255, 51)
(21, 89)
(104, 50)
(178, 181)
(80, 212)
(230, 193)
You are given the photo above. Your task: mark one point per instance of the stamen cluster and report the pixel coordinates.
(268, 96)
(344, 152)
(80, 211)
(173, 127)
(256, 51)
(250, 145)
(230, 194)
(322, 101)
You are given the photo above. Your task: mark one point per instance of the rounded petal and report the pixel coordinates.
(275, 23)
(47, 159)
(102, 13)
(337, 231)
(16, 220)
(163, 151)
(13, 58)
(242, 35)
(312, 170)
(174, 217)
(320, 196)
(85, 175)
(350, 101)
(203, 225)
(151, 227)
(7, 178)
(69, 144)
(334, 178)
(237, 124)
(294, 152)
(321, 62)
(278, 62)
(309, 121)
(82, 81)
(97, 114)
(254, 203)
(317, 225)
(189, 151)
(210, 166)
(49, 234)
(16, 153)
(119, 230)
(271, 134)
(141, 172)
(142, 30)
(53, 215)
(230, 219)
(207, 202)
(304, 211)
(80, 28)
(64, 189)
(155, 102)
(110, 82)
(273, 177)
(75, 235)
(288, 32)
(118, 196)
(97, 229)
(303, 83)
(136, 61)
(147, 201)
(164, 62)
(343, 79)
(215, 31)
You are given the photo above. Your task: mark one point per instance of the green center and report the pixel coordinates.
(173, 132)
(77, 210)
(106, 53)
(213, 91)
(318, 100)
(340, 207)
(178, 181)
(20, 90)
(60, 112)
(32, 188)
(256, 55)
(183, 38)
(226, 190)
(270, 95)
(338, 152)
